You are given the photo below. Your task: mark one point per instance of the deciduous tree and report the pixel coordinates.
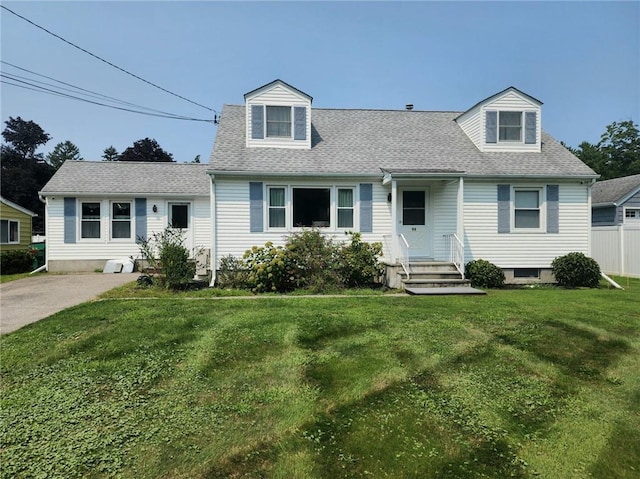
(23, 171)
(145, 150)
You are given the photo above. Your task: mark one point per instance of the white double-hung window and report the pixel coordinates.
(121, 220)
(277, 207)
(90, 220)
(345, 207)
(527, 208)
(279, 121)
(510, 126)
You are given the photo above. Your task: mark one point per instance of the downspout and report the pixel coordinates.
(45, 266)
(394, 221)
(214, 230)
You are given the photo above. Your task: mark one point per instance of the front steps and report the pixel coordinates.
(430, 277)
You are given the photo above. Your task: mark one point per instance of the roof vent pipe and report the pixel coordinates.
(409, 106)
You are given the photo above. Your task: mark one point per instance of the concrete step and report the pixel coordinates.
(431, 266)
(435, 283)
(451, 290)
(432, 274)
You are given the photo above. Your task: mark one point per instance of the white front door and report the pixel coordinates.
(414, 221)
(180, 218)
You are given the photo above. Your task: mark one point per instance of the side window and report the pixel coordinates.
(121, 220)
(9, 231)
(345, 208)
(277, 207)
(90, 220)
(527, 208)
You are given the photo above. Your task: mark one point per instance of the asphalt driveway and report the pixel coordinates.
(31, 299)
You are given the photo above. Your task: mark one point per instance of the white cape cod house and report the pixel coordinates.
(447, 187)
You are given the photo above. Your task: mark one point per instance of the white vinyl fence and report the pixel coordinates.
(617, 249)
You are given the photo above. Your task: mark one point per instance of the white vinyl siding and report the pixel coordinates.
(471, 124)
(279, 95)
(523, 249)
(232, 211)
(444, 199)
(104, 248)
(511, 101)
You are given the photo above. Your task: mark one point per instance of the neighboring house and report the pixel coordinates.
(15, 226)
(95, 211)
(431, 186)
(615, 222)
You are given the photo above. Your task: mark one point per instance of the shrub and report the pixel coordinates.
(484, 274)
(16, 261)
(270, 269)
(575, 269)
(358, 262)
(232, 273)
(315, 257)
(167, 258)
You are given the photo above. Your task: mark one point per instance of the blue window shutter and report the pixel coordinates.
(530, 127)
(69, 220)
(366, 207)
(299, 123)
(491, 126)
(257, 122)
(141, 219)
(553, 209)
(256, 206)
(504, 208)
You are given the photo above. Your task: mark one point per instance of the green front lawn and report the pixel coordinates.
(518, 383)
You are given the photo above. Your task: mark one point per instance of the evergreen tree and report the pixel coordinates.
(62, 152)
(110, 154)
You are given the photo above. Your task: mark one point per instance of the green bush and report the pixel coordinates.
(16, 261)
(270, 269)
(312, 261)
(167, 259)
(358, 262)
(232, 273)
(315, 257)
(575, 269)
(484, 274)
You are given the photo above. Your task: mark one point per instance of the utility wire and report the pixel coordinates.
(106, 61)
(57, 93)
(89, 93)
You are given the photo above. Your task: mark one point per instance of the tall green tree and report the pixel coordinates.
(617, 153)
(62, 152)
(110, 154)
(23, 172)
(145, 150)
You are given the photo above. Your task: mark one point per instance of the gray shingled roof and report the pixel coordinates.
(613, 191)
(368, 141)
(125, 177)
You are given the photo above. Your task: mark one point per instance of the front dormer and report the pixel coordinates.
(278, 116)
(507, 121)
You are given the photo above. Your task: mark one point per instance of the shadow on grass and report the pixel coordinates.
(578, 352)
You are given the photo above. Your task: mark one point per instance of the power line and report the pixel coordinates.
(106, 61)
(89, 93)
(57, 93)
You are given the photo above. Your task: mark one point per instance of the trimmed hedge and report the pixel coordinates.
(16, 261)
(576, 270)
(484, 274)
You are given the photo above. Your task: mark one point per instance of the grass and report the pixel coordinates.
(6, 278)
(519, 383)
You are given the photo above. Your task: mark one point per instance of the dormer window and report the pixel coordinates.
(279, 121)
(510, 126)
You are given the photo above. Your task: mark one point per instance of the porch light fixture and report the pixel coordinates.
(155, 209)
(389, 197)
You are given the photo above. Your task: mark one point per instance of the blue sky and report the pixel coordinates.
(581, 59)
